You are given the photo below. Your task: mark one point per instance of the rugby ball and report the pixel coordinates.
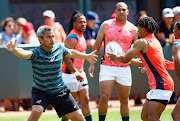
(113, 47)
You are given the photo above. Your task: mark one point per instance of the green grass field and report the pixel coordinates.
(111, 116)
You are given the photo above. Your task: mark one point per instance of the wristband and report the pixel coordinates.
(77, 73)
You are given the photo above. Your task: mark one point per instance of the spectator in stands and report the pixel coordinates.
(29, 35)
(7, 34)
(19, 29)
(166, 27)
(19, 25)
(92, 28)
(140, 15)
(49, 20)
(176, 12)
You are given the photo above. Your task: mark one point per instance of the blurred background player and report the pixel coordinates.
(176, 54)
(140, 15)
(49, 20)
(75, 40)
(92, 28)
(112, 73)
(166, 27)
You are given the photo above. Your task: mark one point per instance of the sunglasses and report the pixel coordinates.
(20, 24)
(46, 17)
(10, 25)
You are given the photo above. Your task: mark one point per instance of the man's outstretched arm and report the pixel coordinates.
(19, 52)
(91, 57)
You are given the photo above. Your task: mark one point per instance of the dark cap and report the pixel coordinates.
(93, 16)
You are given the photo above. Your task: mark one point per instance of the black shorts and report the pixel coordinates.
(164, 102)
(63, 102)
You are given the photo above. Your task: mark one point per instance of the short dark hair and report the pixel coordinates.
(40, 31)
(149, 24)
(122, 3)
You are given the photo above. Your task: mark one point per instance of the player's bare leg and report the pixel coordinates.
(105, 93)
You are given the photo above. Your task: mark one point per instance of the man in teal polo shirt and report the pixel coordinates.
(48, 86)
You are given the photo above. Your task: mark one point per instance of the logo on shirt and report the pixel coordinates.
(120, 30)
(52, 59)
(38, 101)
(75, 106)
(151, 93)
(93, 33)
(127, 29)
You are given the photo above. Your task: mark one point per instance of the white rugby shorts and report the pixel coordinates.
(121, 75)
(72, 83)
(159, 94)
